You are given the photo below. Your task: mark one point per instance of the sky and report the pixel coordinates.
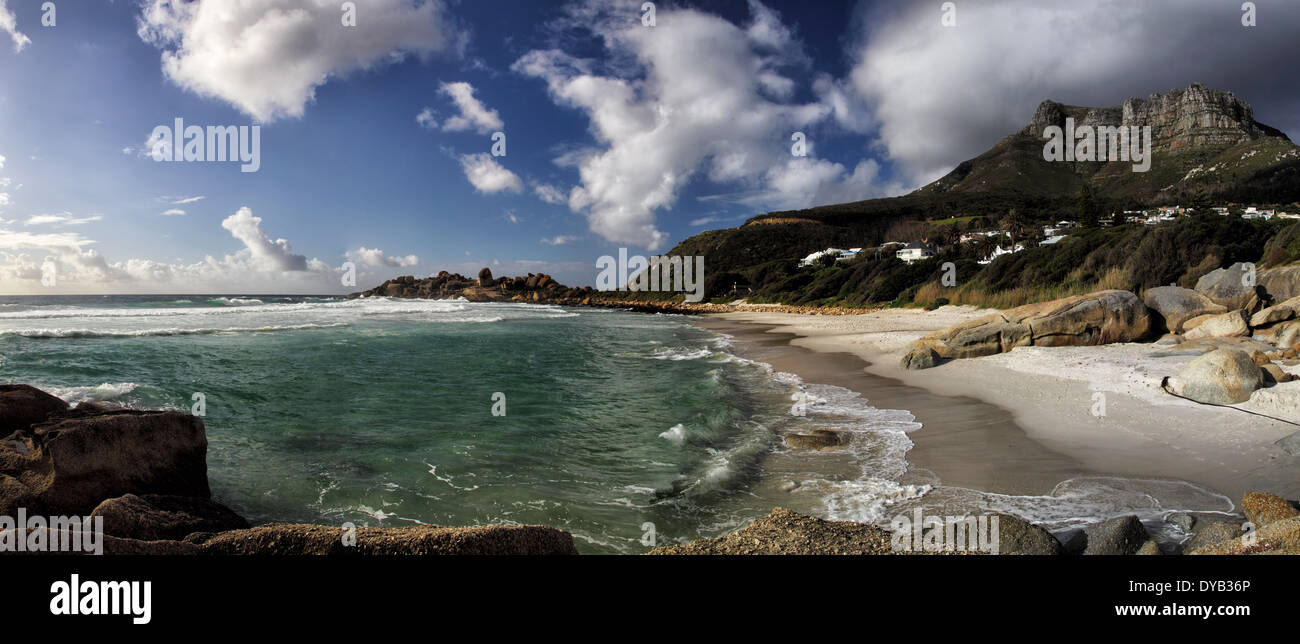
(376, 138)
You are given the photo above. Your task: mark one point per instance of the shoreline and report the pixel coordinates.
(1034, 418)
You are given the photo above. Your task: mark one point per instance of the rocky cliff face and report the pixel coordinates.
(1205, 143)
(1182, 118)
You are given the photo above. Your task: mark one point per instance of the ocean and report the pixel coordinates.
(627, 429)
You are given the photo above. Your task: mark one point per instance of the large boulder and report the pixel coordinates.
(1097, 318)
(783, 532)
(1223, 325)
(22, 406)
(485, 277)
(817, 439)
(1285, 310)
(303, 539)
(918, 357)
(1281, 283)
(1280, 537)
(71, 462)
(1118, 536)
(1221, 377)
(1262, 508)
(1178, 305)
(1233, 287)
(153, 517)
(1019, 537)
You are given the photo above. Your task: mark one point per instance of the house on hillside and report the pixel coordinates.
(915, 251)
(1253, 213)
(812, 258)
(998, 252)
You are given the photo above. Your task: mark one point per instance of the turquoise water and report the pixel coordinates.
(379, 412)
(617, 424)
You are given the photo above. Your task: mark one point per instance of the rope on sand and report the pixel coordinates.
(1164, 384)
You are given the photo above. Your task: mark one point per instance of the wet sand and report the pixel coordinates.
(964, 442)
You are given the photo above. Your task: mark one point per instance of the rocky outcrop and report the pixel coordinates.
(73, 460)
(1262, 508)
(155, 517)
(1097, 318)
(1233, 287)
(1220, 377)
(1019, 537)
(1177, 305)
(1118, 536)
(531, 288)
(784, 532)
(1281, 312)
(1222, 325)
(1282, 283)
(817, 439)
(22, 406)
(302, 539)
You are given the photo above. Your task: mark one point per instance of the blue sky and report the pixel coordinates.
(618, 134)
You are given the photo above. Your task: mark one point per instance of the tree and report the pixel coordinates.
(1087, 210)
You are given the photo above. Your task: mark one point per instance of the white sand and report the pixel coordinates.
(1053, 393)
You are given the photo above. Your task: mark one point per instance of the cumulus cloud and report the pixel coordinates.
(262, 264)
(474, 115)
(376, 258)
(1007, 56)
(487, 175)
(9, 25)
(267, 253)
(696, 96)
(223, 50)
(426, 119)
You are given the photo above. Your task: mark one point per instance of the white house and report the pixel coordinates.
(808, 261)
(915, 251)
(998, 252)
(1253, 213)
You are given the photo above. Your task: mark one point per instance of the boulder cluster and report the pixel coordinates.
(145, 474)
(485, 288)
(1243, 333)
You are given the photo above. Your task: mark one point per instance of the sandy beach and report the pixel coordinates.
(1031, 422)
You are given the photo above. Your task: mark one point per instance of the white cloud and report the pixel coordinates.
(474, 115)
(696, 96)
(267, 253)
(185, 200)
(559, 240)
(376, 258)
(228, 50)
(173, 212)
(548, 193)
(487, 175)
(62, 219)
(9, 24)
(426, 119)
(261, 265)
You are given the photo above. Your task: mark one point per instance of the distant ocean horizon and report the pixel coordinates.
(627, 429)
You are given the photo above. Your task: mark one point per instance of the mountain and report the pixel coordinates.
(1205, 143)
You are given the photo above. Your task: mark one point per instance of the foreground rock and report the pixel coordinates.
(67, 464)
(22, 406)
(1222, 325)
(1281, 283)
(784, 532)
(1220, 377)
(817, 439)
(301, 539)
(1118, 536)
(1097, 318)
(1262, 508)
(154, 517)
(1178, 305)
